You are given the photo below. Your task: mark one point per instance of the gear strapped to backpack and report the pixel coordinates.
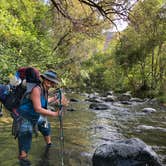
(11, 95)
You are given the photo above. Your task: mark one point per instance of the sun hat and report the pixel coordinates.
(51, 76)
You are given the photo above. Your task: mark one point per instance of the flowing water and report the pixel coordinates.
(85, 129)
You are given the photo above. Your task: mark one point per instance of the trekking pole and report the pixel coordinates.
(61, 126)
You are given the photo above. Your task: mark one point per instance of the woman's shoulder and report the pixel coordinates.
(36, 88)
(39, 88)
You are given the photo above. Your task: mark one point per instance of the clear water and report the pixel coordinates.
(85, 129)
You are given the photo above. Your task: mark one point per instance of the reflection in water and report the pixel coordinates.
(24, 162)
(62, 150)
(45, 158)
(61, 138)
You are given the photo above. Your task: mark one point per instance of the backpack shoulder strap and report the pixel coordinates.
(28, 92)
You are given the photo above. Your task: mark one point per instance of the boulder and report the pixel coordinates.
(95, 100)
(125, 96)
(126, 102)
(136, 100)
(98, 106)
(74, 100)
(149, 110)
(145, 127)
(110, 98)
(130, 152)
(109, 93)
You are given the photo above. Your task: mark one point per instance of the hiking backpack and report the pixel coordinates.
(11, 95)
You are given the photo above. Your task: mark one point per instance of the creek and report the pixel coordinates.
(85, 129)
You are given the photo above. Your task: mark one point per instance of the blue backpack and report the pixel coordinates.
(4, 90)
(10, 95)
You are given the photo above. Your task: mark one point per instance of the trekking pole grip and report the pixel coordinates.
(59, 97)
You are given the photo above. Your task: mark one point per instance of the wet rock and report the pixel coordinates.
(109, 93)
(94, 100)
(110, 98)
(99, 127)
(136, 100)
(125, 96)
(130, 152)
(126, 102)
(144, 127)
(71, 109)
(149, 110)
(84, 94)
(74, 100)
(98, 106)
(93, 95)
(154, 101)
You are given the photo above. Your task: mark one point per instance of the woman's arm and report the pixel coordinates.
(35, 97)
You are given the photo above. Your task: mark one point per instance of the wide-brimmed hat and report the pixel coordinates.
(51, 76)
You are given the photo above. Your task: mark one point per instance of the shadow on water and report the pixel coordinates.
(85, 130)
(52, 157)
(44, 158)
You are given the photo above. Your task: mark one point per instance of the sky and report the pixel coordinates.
(121, 25)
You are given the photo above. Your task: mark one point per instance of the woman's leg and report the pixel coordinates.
(24, 143)
(24, 138)
(47, 139)
(46, 131)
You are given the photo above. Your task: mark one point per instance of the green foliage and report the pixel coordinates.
(129, 50)
(24, 35)
(140, 48)
(162, 98)
(34, 34)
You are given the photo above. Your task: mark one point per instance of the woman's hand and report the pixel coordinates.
(55, 113)
(64, 101)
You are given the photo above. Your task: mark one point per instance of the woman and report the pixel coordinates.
(32, 106)
(43, 124)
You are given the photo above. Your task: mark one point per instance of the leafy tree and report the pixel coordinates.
(24, 38)
(142, 43)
